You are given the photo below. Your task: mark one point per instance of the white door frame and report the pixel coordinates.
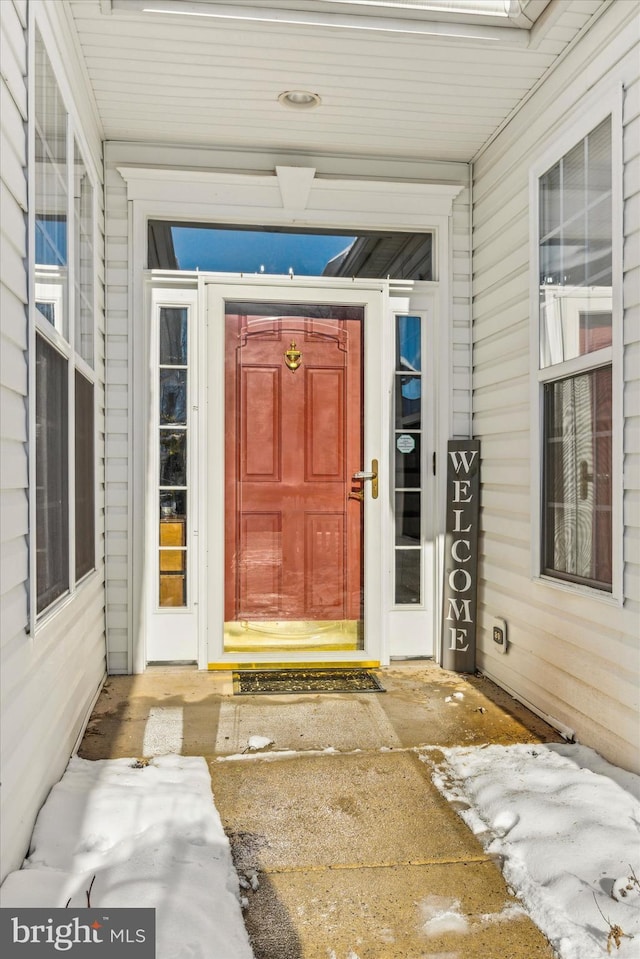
(373, 296)
(250, 199)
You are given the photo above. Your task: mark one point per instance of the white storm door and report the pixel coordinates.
(252, 307)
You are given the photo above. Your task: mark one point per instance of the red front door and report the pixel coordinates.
(294, 518)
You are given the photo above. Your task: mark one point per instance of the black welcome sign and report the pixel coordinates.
(461, 556)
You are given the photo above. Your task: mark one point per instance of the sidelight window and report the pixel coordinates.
(407, 466)
(173, 439)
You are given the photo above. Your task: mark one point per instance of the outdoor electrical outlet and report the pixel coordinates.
(500, 635)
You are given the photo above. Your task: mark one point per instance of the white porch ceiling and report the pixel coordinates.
(395, 80)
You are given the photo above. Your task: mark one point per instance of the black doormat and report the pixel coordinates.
(257, 682)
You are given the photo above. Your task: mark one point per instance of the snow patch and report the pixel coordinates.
(151, 835)
(442, 915)
(563, 824)
(258, 742)
(504, 822)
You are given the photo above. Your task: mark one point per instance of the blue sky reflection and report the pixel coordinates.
(248, 251)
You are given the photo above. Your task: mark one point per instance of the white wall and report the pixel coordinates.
(572, 657)
(49, 677)
(120, 478)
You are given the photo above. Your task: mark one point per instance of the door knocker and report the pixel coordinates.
(293, 357)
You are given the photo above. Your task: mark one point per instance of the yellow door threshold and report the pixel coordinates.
(298, 664)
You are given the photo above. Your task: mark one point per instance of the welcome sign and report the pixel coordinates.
(461, 556)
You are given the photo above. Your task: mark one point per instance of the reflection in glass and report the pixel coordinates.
(50, 192)
(173, 518)
(578, 489)
(407, 519)
(408, 402)
(47, 310)
(173, 504)
(173, 578)
(172, 412)
(83, 224)
(173, 458)
(407, 577)
(407, 466)
(259, 311)
(51, 448)
(85, 476)
(576, 250)
(173, 336)
(51, 240)
(173, 397)
(407, 459)
(408, 345)
(172, 560)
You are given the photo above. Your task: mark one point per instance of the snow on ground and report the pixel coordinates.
(152, 837)
(563, 824)
(565, 827)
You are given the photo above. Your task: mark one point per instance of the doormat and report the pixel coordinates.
(258, 682)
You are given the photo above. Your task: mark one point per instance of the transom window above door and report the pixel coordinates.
(206, 247)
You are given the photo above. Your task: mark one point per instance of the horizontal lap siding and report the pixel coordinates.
(14, 555)
(51, 676)
(631, 192)
(118, 540)
(572, 657)
(460, 372)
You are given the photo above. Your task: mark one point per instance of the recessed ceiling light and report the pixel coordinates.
(299, 99)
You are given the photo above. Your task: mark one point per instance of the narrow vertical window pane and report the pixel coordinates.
(83, 224)
(578, 491)
(407, 519)
(85, 477)
(173, 578)
(407, 472)
(407, 591)
(173, 458)
(52, 504)
(50, 194)
(172, 437)
(409, 350)
(173, 336)
(408, 402)
(173, 516)
(173, 397)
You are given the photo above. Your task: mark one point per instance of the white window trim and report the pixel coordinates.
(605, 100)
(39, 326)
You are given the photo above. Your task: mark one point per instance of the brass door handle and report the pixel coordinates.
(371, 475)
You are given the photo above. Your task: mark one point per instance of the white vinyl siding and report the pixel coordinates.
(50, 676)
(573, 657)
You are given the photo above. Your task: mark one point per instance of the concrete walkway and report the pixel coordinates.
(356, 854)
